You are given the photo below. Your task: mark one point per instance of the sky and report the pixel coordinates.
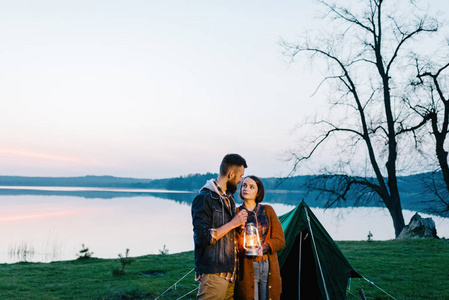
(151, 89)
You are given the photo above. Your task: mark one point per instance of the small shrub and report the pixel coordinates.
(370, 235)
(124, 260)
(84, 253)
(164, 251)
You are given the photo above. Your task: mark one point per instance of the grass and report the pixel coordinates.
(407, 269)
(93, 279)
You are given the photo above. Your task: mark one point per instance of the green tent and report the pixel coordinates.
(312, 265)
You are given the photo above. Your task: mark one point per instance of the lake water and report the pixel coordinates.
(51, 224)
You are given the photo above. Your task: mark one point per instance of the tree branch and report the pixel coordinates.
(406, 37)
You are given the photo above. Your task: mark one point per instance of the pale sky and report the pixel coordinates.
(150, 89)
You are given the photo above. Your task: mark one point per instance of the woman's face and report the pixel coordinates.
(249, 189)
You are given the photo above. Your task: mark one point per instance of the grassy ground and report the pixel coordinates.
(407, 269)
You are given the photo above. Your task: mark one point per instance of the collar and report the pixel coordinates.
(255, 210)
(222, 193)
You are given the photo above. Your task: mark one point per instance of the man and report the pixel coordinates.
(214, 218)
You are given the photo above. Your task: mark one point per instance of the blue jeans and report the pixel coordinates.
(261, 269)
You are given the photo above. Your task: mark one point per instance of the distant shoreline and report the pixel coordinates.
(80, 188)
(414, 195)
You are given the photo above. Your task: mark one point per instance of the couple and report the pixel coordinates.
(221, 266)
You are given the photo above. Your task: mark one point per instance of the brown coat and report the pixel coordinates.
(244, 288)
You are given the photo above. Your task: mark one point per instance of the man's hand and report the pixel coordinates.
(240, 218)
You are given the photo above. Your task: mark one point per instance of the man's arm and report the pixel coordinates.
(238, 220)
(201, 219)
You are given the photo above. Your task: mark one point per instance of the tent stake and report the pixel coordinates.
(362, 294)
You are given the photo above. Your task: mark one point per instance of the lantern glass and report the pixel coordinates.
(251, 240)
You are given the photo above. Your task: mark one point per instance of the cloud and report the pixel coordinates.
(40, 156)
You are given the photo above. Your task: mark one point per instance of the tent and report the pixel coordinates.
(312, 265)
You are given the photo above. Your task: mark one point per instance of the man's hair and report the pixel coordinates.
(231, 160)
(260, 189)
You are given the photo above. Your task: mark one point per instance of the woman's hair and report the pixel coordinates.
(260, 188)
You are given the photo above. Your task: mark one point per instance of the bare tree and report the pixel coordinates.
(440, 204)
(367, 59)
(431, 105)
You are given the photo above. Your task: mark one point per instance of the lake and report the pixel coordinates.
(49, 224)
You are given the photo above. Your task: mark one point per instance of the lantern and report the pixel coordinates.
(251, 240)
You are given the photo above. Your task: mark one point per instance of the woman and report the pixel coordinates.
(260, 276)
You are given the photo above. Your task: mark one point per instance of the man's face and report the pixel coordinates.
(231, 185)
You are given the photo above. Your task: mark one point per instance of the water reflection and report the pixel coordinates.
(56, 226)
(100, 193)
(53, 225)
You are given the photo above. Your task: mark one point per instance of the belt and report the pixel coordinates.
(260, 258)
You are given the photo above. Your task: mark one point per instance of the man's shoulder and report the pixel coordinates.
(206, 194)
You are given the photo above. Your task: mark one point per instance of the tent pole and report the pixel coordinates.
(299, 269)
(316, 253)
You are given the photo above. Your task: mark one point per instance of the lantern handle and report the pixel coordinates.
(255, 216)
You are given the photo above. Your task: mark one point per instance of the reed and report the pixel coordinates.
(23, 252)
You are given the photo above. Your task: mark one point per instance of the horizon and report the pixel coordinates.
(186, 175)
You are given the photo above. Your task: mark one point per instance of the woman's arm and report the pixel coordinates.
(276, 241)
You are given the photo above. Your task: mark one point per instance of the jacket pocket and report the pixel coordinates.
(217, 216)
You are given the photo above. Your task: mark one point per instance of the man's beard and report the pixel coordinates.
(231, 187)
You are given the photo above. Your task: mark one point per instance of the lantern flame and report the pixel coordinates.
(251, 240)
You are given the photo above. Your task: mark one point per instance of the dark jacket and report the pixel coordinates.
(210, 211)
(244, 288)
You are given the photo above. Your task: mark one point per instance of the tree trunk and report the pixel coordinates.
(395, 210)
(394, 205)
(442, 159)
(440, 137)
